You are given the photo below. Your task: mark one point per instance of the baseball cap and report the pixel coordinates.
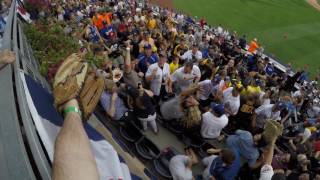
(147, 46)
(258, 82)
(188, 64)
(133, 92)
(194, 45)
(216, 80)
(281, 105)
(217, 108)
(162, 54)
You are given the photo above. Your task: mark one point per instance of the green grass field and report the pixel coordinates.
(269, 21)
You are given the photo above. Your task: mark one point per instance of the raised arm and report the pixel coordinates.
(112, 109)
(189, 91)
(127, 60)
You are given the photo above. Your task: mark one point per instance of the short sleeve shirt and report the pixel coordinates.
(162, 76)
(184, 80)
(265, 113)
(178, 168)
(120, 107)
(233, 103)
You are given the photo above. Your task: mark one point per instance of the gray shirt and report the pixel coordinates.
(178, 168)
(171, 109)
(120, 107)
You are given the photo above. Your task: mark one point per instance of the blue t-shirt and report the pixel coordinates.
(242, 142)
(93, 35)
(269, 70)
(220, 171)
(120, 108)
(205, 54)
(143, 60)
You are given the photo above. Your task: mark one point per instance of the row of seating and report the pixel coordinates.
(145, 148)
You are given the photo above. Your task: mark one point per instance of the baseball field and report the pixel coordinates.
(287, 29)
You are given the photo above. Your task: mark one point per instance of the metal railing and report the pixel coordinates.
(22, 154)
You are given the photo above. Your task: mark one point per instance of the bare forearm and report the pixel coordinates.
(269, 154)
(73, 157)
(127, 57)
(112, 109)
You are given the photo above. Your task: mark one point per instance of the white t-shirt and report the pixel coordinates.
(263, 100)
(207, 161)
(266, 172)
(206, 89)
(178, 168)
(211, 125)
(264, 113)
(233, 103)
(180, 18)
(188, 55)
(183, 80)
(162, 76)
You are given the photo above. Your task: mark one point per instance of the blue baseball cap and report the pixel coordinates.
(216, 80)
(281, 105)
(217, 108)
(147, 46)
(258, 82)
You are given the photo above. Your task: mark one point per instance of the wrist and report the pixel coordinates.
(71, 109)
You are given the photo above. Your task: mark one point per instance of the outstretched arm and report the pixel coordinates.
(73, 158)
(127, 61)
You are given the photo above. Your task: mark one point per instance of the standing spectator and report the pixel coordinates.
(143, 107)
(113, 105)
(247, 146)
(174, 65)
(146, 59)
(180, 165)
(181, 48)
(193, 55)
(208, 87)
(253, 45)
(231, 101)
(158, 75)
(174, 108)
(243, 42)
(186, 75)
(225, 166)
(267, 112)
(213, 122)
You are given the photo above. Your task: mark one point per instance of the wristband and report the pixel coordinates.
(71, 109)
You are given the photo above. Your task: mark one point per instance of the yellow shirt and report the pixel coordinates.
(144, 42)
(173, 67)
(152, 24)
(251, 89)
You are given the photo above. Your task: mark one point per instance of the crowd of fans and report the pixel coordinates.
(204, 81)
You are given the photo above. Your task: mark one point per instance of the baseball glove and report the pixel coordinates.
(73, 80)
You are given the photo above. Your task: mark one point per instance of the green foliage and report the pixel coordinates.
(94, 60)
(49, 43)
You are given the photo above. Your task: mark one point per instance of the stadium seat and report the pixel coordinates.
(174, 127)
(202, 151)
(130, 132)
(195, 141)
(147, 149)
(161, 164)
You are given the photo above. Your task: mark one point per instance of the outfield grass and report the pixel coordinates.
(269, 21)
